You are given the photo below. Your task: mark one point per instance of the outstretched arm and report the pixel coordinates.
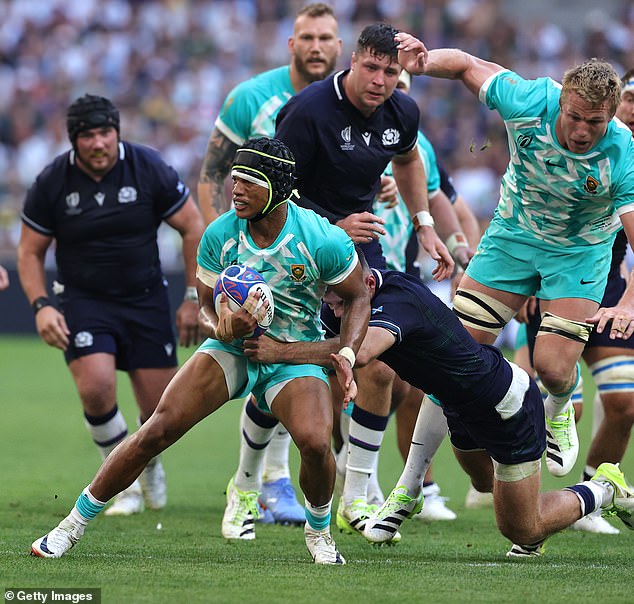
(451, 63)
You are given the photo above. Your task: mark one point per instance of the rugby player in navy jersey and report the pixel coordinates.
(489, 404)
(102, 203)
(343, 132)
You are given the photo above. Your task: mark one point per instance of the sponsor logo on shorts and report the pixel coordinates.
(169, 348)
(83, 339)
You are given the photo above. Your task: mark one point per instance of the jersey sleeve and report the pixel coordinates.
(38, 211)
(336, 256)
(392, 313)
(209, 253)
(513, 96)
(236, 113)
(169, 191)
(624, 190)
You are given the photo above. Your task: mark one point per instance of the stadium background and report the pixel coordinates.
(168, 64)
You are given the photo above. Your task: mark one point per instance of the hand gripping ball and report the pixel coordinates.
(237, 281)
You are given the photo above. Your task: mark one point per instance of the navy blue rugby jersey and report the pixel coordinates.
(340, 154)
(433, 351)
(105, 231)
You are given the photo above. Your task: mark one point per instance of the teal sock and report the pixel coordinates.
(318, 517)
(88, 506)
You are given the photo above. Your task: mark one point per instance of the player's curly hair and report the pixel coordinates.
(269, 161)
(90, 111)
(595, 81)
(378, 39)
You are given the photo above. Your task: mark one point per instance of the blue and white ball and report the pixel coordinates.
(237, 281)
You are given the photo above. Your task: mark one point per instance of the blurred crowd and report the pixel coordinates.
(168, 65)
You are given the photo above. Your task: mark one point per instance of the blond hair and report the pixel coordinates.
(317, 9)
(596, 82)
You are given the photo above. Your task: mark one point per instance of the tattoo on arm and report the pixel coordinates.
(216, 167)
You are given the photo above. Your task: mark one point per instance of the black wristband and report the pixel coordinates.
(40, 303)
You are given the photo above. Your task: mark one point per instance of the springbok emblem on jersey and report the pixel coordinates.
(591, 185)
(298, 272)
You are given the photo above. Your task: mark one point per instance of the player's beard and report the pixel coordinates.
(312, 76)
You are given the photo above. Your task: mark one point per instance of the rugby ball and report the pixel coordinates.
(236, 282)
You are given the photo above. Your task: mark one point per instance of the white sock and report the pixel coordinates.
(374, 488)
(557, 404)
(276, 456)
(429, 432)
(598, 413)
(256, 430)
(365, 437)
(107, 430)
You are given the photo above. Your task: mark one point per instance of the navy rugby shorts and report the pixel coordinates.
(478, 425)
(137, 329)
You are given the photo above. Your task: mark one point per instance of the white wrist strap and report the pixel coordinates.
(347, 353)
(421, 219)
(456, 240)
(191, 294)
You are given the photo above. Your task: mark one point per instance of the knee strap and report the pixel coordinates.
(481, 311)
(577, 331)
(614, 374)
(517, 471)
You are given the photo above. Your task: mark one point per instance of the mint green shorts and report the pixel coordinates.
(263, 380)
(514, 261)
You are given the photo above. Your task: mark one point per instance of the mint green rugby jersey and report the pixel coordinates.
(398, 222)
(559, 197)
(308, 255)
(251, 107)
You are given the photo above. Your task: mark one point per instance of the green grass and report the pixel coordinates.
(46, 458)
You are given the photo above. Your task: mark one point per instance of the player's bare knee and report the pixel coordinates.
(554, 378)
(313, 448)
(154, 436)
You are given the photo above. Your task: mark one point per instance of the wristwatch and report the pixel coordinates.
(39, 303)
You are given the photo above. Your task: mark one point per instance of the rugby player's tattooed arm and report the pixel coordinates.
(214, 171)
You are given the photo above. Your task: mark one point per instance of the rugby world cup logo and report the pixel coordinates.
(346, 135)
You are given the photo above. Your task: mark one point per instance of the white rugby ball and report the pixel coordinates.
(237, 281)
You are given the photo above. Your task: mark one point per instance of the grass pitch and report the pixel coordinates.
(47, 457)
